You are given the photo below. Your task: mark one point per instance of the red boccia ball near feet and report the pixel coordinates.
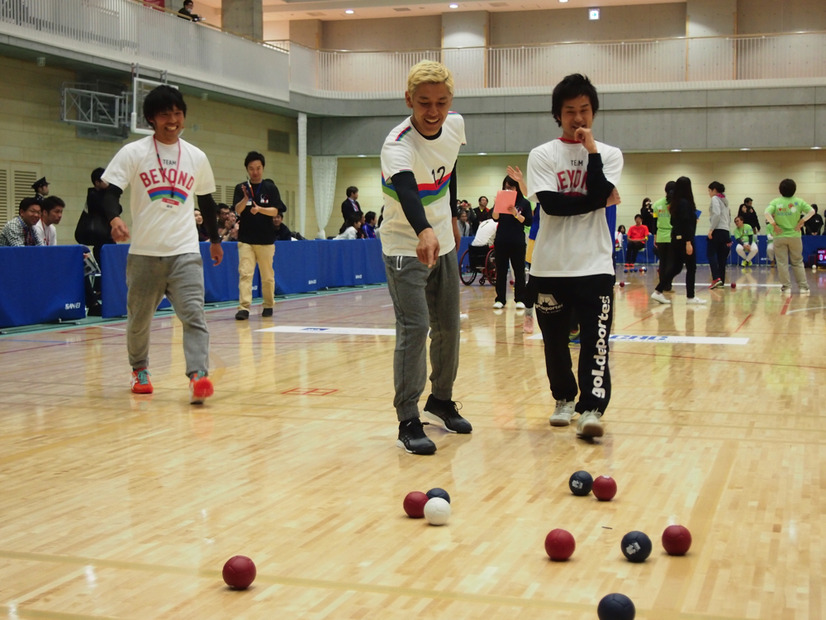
(239, 572)
(414, 504)
(559, 545)
(604, 488)
(676, 540)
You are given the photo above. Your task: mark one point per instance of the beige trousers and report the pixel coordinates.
(248, 256)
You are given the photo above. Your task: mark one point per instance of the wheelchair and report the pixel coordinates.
(478, 261)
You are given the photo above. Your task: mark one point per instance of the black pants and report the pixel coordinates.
(676, 259)
(664, 253)
(591, 299)
(513, 253)
(633, 249)
(718, 248)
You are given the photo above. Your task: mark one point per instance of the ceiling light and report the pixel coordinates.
(676, 150)
(563, 1)
(453, 6)
(349, 11)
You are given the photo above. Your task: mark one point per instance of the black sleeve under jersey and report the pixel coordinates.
(454, 207)
(599, 189)
(408, 192)
(111, 202)
(209, 211)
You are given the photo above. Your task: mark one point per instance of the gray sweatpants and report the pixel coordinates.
(181, 279)
(424, 299)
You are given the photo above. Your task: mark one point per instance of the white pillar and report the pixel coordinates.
(302, 172)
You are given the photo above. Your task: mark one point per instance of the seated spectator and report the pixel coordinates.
(229, 230)
(20, 231)
(203, 235)
(282, 233)
(749, 215)
(51, 212)
(369, 226)
(746, 241)
(814, 223)
(223, 214)
(464, 224)
(637, 238)
(619, 240)
(353, 230)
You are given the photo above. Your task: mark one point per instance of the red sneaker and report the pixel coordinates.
(200, 388)
(140, 381)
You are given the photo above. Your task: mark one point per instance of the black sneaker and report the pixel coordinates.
(266, 313)
(242, 315)
(413, 439)
(447, 412)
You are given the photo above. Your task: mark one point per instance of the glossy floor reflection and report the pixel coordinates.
(123, 506)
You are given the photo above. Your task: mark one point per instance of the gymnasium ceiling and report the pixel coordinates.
(332, 10)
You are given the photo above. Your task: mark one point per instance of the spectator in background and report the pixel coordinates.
(203, 235)
(719, 237)
(94, 206)
(509, 244)
(186, 12)
(20, 230)
(746, 241)
(41, 189)
(749, 215)
(814, 223)
(479, 214)
(369, 225)
(464, 224)
(229, 230)
(787, 215)
(51, 212)
(223, 214)
(353, 230)
(349, 207)
(282, 233)
(649, 218)
(637, 239)
(256, 201)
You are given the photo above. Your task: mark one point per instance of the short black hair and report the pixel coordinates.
(254, 156)
(351, 190)
(51, 202)
(97, 175)
(371, 215)
(571, 87)
(26, 203)
(161, 99)
(787, 188)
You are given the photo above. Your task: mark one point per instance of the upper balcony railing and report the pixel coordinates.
(125, 31)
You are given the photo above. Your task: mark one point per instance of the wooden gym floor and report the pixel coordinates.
(124, 506)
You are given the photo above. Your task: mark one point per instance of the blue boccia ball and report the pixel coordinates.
(616, 607)
(636, 546)
(437, 492)
(580, 483)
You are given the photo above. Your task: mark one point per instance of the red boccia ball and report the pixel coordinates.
(622, 284)
(414, 504)
(676, 540)
(559, 545)
(239, 572)
(605, 488)
(734, 285)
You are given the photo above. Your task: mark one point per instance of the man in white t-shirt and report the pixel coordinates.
(573, 178)
(419, 237)
(51, 213)
(166, 174)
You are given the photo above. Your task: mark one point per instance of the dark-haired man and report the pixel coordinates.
(572, 269)
(51, 212)
(350, 207)
(256, 202)
(20, 230)
(166, 174)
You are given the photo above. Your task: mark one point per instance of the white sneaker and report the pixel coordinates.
(804, 291)
(527, 326)
(498, 305)
(785, 289)
(590, 424)
(696, 301)
(657, 296)
(563, 413)
(520, 305)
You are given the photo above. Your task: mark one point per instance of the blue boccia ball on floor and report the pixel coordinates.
(616, 607)
(437, 492)
(636, 546)
(580, 483)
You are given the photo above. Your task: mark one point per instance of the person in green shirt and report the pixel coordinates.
(746, 241)
(786, 215)
(662, 240)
